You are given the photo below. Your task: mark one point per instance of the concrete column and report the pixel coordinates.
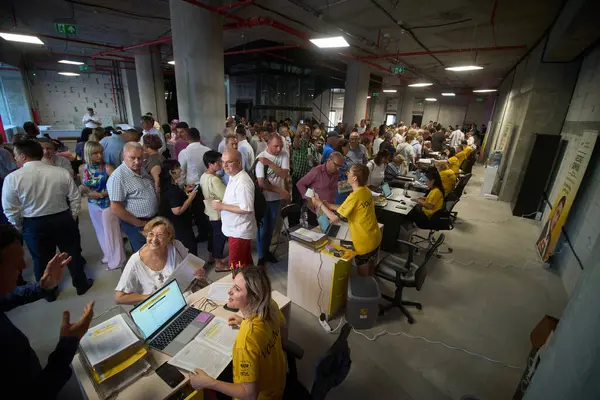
(151, 85)
(199, 70)
(400, 104)
(355, 96)
(132, 98)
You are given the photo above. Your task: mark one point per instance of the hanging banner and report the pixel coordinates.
(558, 215)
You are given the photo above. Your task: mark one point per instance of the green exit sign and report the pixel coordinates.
(398, 70)
(479, 99)
(69, 29)
(375, 94)
(83, 67)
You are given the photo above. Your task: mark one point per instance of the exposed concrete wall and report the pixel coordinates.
(355, 96)
(132, 97)
(583, 223)
(62, 100)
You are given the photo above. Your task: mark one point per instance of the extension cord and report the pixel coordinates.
(324, 324)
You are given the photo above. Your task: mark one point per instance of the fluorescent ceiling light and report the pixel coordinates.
(368, 97)
(430, 99)
(389, 90)
(448, 94)
(485, 90)
(13, 37)
(464, 68)
(328, 43)
(420, 84)
(68, 73)
(71, 62)
(171, 62)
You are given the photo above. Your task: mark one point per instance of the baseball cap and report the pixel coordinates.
(333, 134)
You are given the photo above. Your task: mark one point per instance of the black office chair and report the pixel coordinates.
(405, 273)
(462, 183)
(441, 220)
(449, 203)
(330, 372)
(292, 212)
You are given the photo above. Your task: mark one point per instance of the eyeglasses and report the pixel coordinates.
(152, 235)
(336, 164)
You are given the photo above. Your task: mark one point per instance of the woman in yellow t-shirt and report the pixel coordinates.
(259, 365)
(453, 162)
(447, 175)
(427, 206)
(359, 208)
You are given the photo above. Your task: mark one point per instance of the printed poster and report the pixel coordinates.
(560, 210)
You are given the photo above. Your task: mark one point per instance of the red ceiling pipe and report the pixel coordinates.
(214, 9)
(135, 46)
(263, 49)
(423, 53)
(77, 41)
(248, 23)
(234, 5)
(9, 69)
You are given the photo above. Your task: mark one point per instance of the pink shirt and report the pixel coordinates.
(179, 145)
(324, 184)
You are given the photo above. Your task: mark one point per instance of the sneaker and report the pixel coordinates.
(261, 262)
(83, 290)
(270, 257)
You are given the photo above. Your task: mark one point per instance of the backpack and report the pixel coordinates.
(260, 203)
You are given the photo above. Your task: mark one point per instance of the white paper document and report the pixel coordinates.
(307, 235)
(219, 291)
(107, 339)
(185, 272)
(210, 350)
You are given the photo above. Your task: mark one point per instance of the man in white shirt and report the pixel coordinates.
(456, 137)
(244, 148)
(237, 210)
(34, 198)
(50, 157)
(91, 119)
(148, 129)
(272, 171)
(191, 160)
(132, 196)
(362, 126)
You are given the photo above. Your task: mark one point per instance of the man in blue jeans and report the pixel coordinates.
(272, 171)
(132, 196)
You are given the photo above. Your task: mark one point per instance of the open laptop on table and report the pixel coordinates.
(336, 231)
(168, 324)
(388, 193)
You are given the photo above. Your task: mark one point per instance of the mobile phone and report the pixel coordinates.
(196, 187)
(170, 375)
(401, 207)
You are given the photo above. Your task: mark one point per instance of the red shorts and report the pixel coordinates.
(240, 251)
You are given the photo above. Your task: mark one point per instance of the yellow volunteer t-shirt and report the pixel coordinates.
(468, 151)
(258, 355)
(359, 208)
(461, 157)
(436, 198)
(448, 180)
(454, 164)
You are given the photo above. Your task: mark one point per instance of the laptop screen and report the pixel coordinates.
(323, 222)
(157, 309)
(386, 189)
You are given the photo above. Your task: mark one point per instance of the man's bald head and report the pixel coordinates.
(132, 156)
(232, 161)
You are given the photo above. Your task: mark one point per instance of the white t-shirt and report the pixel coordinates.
(90, 124)
(376, 173)
(140, 279)
(456, 138)
(376, 143)
(239, 192)
(282, 161)
(406, 150)
(247, 154)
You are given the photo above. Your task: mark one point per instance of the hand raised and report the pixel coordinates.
(79, 328)
(54, 271)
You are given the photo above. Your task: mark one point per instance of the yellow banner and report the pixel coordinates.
(560, 210)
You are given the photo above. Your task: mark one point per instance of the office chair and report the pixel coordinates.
(405, 274)
(292, 213)
(441, 220)
(449, 203)
(330, 372)
(462, 183)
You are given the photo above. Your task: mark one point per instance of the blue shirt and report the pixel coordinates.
(20, 368)
(113, 150)
(327, 150)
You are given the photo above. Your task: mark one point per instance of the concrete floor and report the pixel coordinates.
(484, 297)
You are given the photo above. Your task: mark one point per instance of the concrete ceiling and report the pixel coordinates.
(372, 27)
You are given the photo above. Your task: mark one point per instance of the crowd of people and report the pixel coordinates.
(165, 190)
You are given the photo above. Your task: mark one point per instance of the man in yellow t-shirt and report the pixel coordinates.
(359, 208)
(461, 156)
(447, 175)
(257, 358)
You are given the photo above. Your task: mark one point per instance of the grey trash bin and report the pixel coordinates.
(363, 302)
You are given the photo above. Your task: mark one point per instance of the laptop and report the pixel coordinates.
(336, 231)
(166, 321)
(387, 192)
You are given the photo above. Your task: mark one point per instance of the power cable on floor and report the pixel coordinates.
(429, 341)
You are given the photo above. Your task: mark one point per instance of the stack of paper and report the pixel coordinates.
(310, 239)
(209, 351)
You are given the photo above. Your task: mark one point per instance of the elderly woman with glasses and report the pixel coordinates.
(152, 266)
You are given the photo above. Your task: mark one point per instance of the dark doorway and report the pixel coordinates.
(243, 108)
(417, 119)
